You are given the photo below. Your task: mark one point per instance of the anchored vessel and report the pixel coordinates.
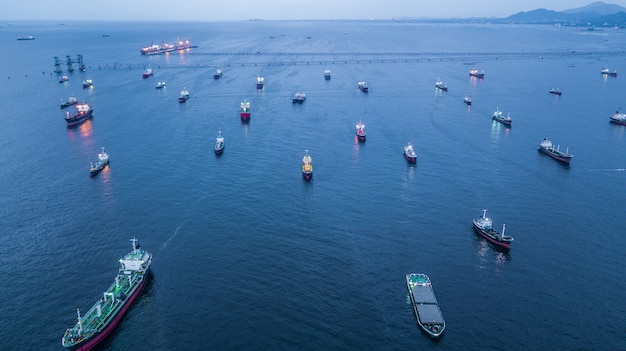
(483, 227)
(88, 83)
(160, 85)
(618, 118)
(82, 113)
(103, 160)
(63, 79)
(441, 85)
(363, 86)
(497, 116)
(147, 73)
(327, 74)
(410, 154)
(548, 148)
(219, 143)
(425, 304)
(556, 91)
(245, 110)
(299, 97)
(184, 95)
(95, 325)
(156, 49)
(476, 73)
(217, 74)
(260, 81)
(69, 102)
(605, 71)
(360, 131)
(307, 166)
(467, 100)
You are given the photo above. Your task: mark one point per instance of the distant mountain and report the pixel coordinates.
(594, 14)
(599, 7)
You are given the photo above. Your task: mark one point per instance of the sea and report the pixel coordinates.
(250, 256)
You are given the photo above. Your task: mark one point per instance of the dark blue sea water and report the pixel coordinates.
(249, 256)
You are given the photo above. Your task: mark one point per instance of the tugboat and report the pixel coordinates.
(483, 227)
(307, 166)
(497, 116)
(88, 83)
(219, 143)
(217, 74)
(618, 118)
(102, 318)
(360, 131)
(548, 148)
(555, 91)
(475, 73)
(606, 72)
(327, 74)
(245, 110)
(467, 100)
(147, 73)
(63, 79)
(184, 96)
(103, 160)
(363, 86)
(441, 85)
(410, 154)
(160, 85)
(260, 81)
(69, 102)
(299, 98)
(82, 113)
(425, 304)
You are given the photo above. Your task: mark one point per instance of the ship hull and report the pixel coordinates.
(500, 244)
(76, 120)
(431, 305)
(259, 86)
(618, 121)
(361, 137)
(99, 337)
(410, 159)
(365, 90)
(307, 175)
(563, 159)
(245, 116)
(182, 100)
(503, 121)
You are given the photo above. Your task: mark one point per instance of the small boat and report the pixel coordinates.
(299, 97)
(106, 35)
(69, 102)
(63, 79)
(147, 73)
(618, 118)
(102, 318)
(307, 166)
(483, 227)
(103, 160)
(475, 73)
(217, 74)
(606, 72)
(497, 116)
(363, 86)
(260, 81)
(548, 148)
(425, 304)
(88, 83)
(82, 113)
(184, 96)
(160, 85)
(29, 37)
(360, 131)
(441, 85)
(245, 110)
(327, 74)
(555, 91)
(409, 153)
(467, 100)
(219, 143)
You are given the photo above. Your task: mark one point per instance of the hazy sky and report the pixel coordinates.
(227, 10)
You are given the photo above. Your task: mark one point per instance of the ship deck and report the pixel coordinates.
(426, 305)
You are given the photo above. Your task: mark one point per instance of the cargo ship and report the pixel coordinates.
(476, 74)
(327, 74)
(103, 160)
(606, 72)
(217, 74)
(298, 98)
(483, 227)
(363, 86)
(245, 110)
(69, 102)
(147, 73)
(156, 49)
(360, 131)
(260, 82)
(410, 154)
(82, 113)
(548, 148)
(184, 96)
(425, 304)
(618, 118)
(219, 143)
(307, 166)
(95, 325)
(499, 117)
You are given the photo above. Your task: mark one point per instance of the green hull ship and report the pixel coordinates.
(425, 304)
(95, 325)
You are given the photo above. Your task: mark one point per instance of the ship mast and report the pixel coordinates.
(485, 213)
(80, 323)
(503, 228)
